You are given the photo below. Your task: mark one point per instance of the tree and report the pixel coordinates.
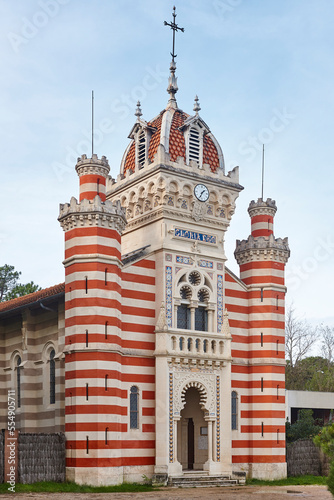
(325, 440)
(313, 373)
(10, 288)
(19, 290)
(327, 342)
(8, 280)
(300, 336)
(305, 427)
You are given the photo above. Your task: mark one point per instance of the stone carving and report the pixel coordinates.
(205, 383)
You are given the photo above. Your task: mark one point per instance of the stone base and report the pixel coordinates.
(262, 471)
(269, 471)
(160, 479)
(102, 476)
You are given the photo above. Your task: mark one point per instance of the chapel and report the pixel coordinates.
(153, 357)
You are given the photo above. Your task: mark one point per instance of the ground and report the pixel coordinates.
(222, 493)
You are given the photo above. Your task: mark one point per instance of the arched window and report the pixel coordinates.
(234, 410)
(18, 380)
(52, 377)
(134, 407)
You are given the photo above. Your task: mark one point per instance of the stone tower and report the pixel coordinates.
(262, 260)
(93, 229)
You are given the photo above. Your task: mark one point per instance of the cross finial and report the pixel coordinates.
(172, 81)
(175, 28)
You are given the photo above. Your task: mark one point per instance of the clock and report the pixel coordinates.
(201, 192)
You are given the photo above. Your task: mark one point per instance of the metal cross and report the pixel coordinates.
(175, 28)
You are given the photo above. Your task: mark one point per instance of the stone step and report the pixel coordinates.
(200, 481)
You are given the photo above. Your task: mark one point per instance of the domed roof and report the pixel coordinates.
(171, 129)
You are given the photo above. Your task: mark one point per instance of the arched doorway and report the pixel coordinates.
(192, 433)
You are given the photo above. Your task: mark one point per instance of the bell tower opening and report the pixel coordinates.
(192, 433)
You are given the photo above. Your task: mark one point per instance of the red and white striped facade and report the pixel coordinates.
(144, 260)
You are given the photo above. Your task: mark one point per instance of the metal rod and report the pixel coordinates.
(262, 171)
(92, 123)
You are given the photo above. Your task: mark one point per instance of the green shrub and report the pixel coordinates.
(330, 479)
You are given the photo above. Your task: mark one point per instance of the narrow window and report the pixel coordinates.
(277, 436)
(261, 339)
(276, 302)
(277, 342)
(134, 410)
(141, 149)
(183, 317)
(262, 429)
(106, 383)
(106, 330)
(234, 410)
(18, 381)
(261, 294)
(105, 276)
(106, 435)
(86, 284)
(201, 319)
(181, 343)
(86, 392)
(87, 444)
(86, 338)
(194, 145)
(52, 377)
(98, 186)
(277, 387)
(261, 384)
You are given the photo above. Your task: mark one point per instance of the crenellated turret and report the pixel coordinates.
(93, 173)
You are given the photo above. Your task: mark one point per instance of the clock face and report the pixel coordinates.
(201, 192)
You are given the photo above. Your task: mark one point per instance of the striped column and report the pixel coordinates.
(94, 399)
(262, 260)
(92, 173)
(262, 215)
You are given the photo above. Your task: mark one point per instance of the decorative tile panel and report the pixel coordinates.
(218, 417)
(169, 257)
(171, 423)
(220, 282)
(220, 266)
(205, 263)
(184, 204)
(194, 235)
(183, 260)
(169, 295)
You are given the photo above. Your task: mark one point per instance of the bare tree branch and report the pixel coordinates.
(327, 342)
(299, 336)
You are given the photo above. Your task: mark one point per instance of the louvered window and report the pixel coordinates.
(141, 149)
(194, 145)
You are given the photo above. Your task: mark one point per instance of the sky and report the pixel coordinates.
(264, 74)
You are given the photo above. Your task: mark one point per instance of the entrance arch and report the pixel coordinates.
(192, 429)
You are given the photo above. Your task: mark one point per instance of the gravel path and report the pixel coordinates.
(222, 493)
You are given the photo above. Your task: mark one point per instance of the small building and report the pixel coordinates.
(322, 404)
